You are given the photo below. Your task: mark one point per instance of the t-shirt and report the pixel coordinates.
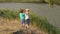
(22, 16)
(27, 16)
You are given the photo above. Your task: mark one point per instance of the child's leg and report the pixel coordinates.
(23, 22)
(27, 23)
(27, 26)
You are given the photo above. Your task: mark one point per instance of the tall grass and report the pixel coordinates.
(5, 13)
(43, 24)
(40, 21)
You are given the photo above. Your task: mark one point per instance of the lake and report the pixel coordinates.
(52, 14)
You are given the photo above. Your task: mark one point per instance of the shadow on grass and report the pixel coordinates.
(18, 32)
(24, 31)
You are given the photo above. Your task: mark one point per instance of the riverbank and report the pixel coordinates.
(10, 23)
(39, 21)
(31, 1)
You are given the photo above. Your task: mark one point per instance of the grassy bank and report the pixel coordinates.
(40, 21)
(32, 1)
(9, 14)
(2, 1)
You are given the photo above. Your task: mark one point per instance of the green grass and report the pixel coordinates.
(5, 13)
(40, 21)
(2, 1)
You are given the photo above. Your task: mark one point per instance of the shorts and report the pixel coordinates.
(22, 21)
(27, 21)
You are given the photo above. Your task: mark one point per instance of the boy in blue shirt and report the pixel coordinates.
(22, 17)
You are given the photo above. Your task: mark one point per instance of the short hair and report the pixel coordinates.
(21, 10)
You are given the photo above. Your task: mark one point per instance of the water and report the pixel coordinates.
(52, 14)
